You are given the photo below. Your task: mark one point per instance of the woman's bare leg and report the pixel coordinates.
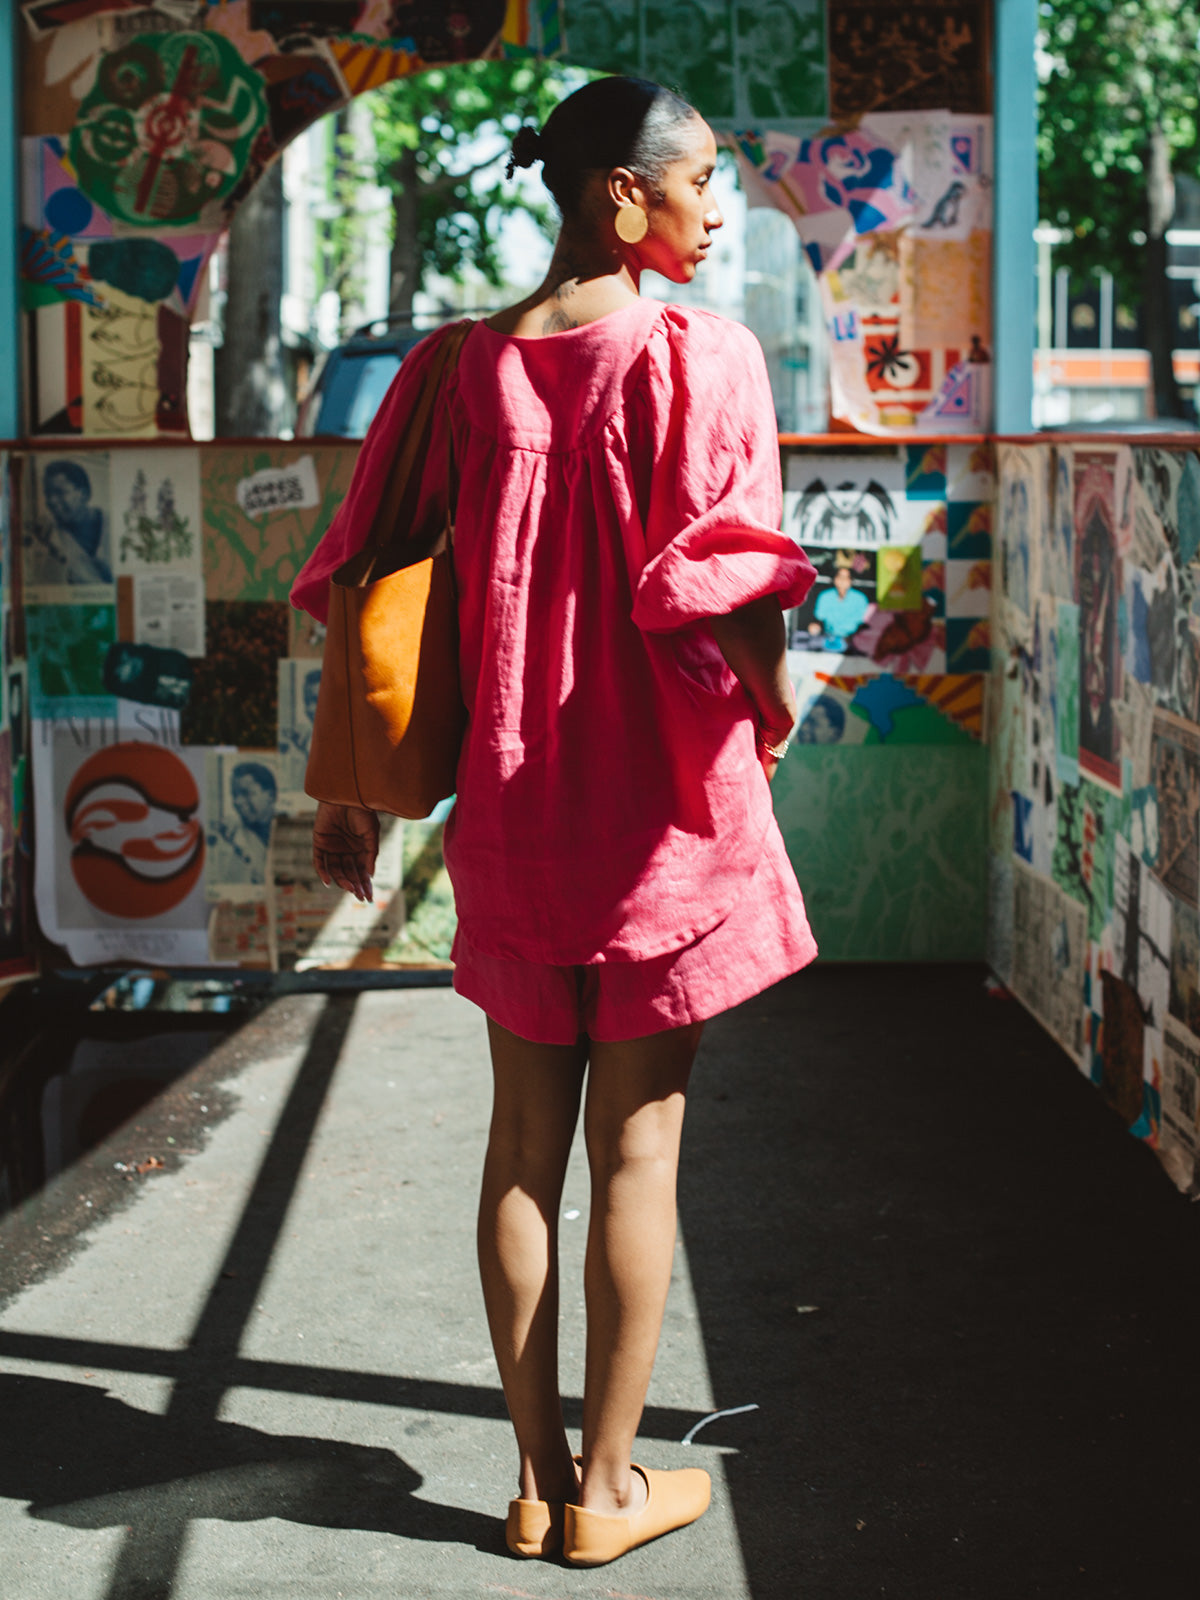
(534, 1112)
(633, 1119)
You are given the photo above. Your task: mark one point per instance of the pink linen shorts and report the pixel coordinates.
(764, 938)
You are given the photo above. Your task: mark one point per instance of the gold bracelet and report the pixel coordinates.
(775, 751)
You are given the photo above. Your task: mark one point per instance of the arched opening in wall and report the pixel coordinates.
(392, 214)
(146, 129)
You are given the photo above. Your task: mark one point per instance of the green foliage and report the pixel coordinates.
(443, 136)
(1112, 70)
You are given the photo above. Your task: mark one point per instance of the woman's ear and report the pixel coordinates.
(624, 188)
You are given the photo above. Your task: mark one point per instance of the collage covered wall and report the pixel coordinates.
(172, 688)
(16, 845)
(881, 799)
(171, 694)
(1094, 806)
(143, 126)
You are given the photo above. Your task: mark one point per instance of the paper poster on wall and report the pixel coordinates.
(1141, 933)
(299, 685)
(1098, 586)
(1019, 545)
(847, 501)
(1175, 766)
(895, 216)
(1179, 1137)
(848, 708)
(312, 926)
(67, 650)
(149, 675)
(16, 897)
(168, 612)
(242, 790)
(156, 512)
(1049, 949)
(1184, 1000)
(1066, 676)
(938, 55)
(121, 350)
(66, 535)
(253, 552)
(235, 688)
(287, 488)
(218, 104)
(841, 599)
(120, 867)
(238, 933)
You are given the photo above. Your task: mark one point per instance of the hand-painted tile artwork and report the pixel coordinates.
(895, 214)
(1095, 771)
(891, 644)
(144, 126)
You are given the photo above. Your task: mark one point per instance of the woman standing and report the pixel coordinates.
(618, 872)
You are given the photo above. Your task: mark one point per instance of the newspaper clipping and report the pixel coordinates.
(1180, 1132)
(1048, 955)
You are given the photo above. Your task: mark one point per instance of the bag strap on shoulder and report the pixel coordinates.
(360, 569)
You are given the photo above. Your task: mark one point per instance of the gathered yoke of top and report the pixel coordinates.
(619, 487)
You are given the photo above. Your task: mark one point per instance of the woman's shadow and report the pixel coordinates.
(83, 1459)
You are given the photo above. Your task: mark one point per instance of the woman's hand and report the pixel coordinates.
(753, 640)
(776, 736)
(345, 844)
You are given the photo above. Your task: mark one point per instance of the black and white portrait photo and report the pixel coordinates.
(66, 536)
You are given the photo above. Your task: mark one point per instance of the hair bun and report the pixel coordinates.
(526, 149)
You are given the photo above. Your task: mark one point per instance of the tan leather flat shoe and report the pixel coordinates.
(534, 1527)
(673, 1499)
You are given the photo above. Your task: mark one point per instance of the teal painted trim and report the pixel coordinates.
(1014, 266)
(10, 328)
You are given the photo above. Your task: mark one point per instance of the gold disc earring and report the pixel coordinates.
(631, 224)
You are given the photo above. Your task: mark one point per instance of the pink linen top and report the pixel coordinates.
(620, 485)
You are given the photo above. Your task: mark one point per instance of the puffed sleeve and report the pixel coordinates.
(347, 532)
(716, 498)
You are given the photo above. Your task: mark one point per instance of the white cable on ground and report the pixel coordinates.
(731, 1411)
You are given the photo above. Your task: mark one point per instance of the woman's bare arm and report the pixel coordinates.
(753, 640)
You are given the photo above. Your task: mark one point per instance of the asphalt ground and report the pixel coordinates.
(963, 1302)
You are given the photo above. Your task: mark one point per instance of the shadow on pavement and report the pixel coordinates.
(128, 1471)
(86, 1460)
(965, 1300)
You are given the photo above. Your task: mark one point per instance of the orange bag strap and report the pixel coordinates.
(360, 569)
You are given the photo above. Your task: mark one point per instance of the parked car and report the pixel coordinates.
(350, 382)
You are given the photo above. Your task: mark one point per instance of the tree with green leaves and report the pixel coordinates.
(441, 140)
(1119, 101)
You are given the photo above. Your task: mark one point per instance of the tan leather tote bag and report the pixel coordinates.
(390, 716)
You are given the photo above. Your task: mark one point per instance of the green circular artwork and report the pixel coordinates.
(167, 127)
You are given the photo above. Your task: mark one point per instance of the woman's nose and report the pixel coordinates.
(714, 219)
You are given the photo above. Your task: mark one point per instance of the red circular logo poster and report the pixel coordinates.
(137, 847)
